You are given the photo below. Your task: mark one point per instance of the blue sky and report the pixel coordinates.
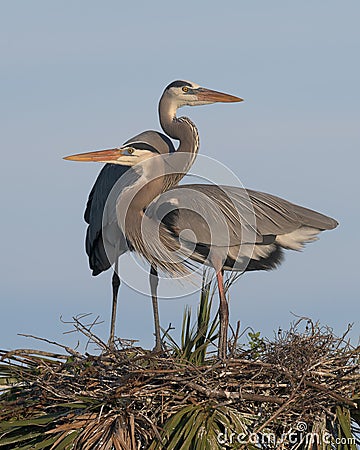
(83, 75)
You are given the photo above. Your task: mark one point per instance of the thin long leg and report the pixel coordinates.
(223, 316)
(154, 282)
(115, 290)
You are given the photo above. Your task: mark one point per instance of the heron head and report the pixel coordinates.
(186, 93)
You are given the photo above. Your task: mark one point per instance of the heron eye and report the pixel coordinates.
(130, 150)
(185, 89)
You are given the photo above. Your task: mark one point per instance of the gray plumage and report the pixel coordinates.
(245, 229)
(105, 241)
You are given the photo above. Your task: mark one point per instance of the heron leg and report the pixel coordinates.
(223, 316)
(154, 281)
(115, 290)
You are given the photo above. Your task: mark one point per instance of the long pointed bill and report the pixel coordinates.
(110, 155)
(208, 95)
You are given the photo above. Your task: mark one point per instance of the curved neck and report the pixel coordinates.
(140, 186)
(135, 195)
(183, 130)
(137, 188)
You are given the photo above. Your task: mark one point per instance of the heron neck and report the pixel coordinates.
(183, 130)
(147, 187)
(140, 186)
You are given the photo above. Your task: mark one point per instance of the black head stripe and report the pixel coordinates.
(178, 83)
(142, 146)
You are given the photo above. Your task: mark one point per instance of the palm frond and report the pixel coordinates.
(196, 338)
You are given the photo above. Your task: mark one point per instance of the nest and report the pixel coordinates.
(126, 398)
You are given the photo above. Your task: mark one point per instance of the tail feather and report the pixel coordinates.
(298, 238)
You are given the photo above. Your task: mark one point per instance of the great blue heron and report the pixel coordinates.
(105, 242)
(256, 225)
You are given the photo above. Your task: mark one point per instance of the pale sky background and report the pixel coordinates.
(86, 75)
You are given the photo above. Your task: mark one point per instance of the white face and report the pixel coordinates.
(186, 95)
(130, 156)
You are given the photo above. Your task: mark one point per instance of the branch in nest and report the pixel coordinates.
(220, 393)
(67, 349)
(327, 391)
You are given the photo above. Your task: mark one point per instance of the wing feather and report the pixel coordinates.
(243, 212)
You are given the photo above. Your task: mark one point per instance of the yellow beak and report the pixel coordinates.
(109, 155)
(209, 95)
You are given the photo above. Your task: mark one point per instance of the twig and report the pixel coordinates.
(333, 394)
(87, 332)
(219, 393)
(68, 349)
(21, 352)
(282, 408)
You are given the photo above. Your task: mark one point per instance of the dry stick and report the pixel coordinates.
(154, 371)
(321, 388)
(254, 385)
(79, 317)
(88, 333)
(152, 426)
(219, 393)
(282, 408)
(248, 362)
(132, 430)
(235, 334)
(90, 326)
(342, 338)
(68, 349)
(21, 352)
